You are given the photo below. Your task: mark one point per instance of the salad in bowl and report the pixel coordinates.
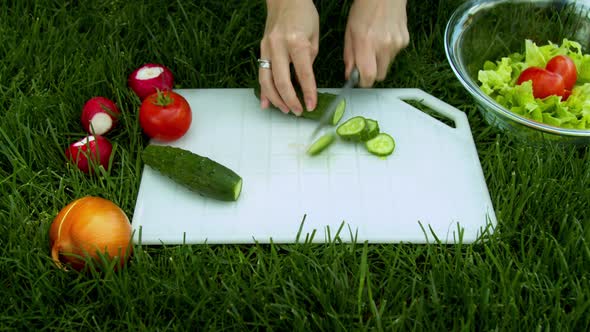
(547, 83)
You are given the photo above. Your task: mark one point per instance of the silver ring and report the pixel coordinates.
(263, 63)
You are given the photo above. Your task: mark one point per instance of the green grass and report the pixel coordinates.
(533, 274)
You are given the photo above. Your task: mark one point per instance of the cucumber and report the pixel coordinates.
(381, 145)
(200, 174)
(371, 130)
(321, 144)
(352, 129)
(339, 112)
(324, 100)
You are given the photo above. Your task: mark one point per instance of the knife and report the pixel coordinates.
(326, 118)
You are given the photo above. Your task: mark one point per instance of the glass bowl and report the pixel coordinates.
(480, 31)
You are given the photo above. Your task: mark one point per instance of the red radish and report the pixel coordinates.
(150, 78)
(99, 115)
(92, 148)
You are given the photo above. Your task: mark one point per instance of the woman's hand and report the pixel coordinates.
(291, 35)
(376, 32)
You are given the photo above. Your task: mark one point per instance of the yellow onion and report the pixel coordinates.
(90, 228)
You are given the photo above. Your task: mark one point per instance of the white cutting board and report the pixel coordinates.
(432, 183)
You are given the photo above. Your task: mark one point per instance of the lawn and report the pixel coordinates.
(533, 274)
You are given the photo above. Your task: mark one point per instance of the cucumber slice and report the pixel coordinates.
(371, 130)
(339, 112)
(381, 145)
(321, 144)
(352, 128)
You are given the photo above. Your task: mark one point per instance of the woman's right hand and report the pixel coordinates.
(376, 31)
(291, 35)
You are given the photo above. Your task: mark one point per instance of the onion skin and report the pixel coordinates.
(88, 228)
(145, 87)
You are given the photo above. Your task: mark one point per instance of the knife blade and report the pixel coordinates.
(326, 118)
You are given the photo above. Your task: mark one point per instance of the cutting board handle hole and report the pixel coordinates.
(424, 108)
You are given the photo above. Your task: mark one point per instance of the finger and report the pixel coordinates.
(348, 55)
(302, 62)
(384, 60)
(264, 102)
(268, 91)
(282, 80)
(315, 42)
(365, 59)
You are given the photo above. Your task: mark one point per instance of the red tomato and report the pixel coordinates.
(165, 115)
(545, 83)
(564, 66)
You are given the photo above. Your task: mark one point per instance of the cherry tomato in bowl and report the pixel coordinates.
(565, 67)
(545, 83)
(165, 115)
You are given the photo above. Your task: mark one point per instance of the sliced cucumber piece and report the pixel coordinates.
(339, 112)
(352, 128)
(381, 145)
(321, 144)
(371, 130)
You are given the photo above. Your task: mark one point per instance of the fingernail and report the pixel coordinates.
(284, 109)
(309, 104)
(264, 104)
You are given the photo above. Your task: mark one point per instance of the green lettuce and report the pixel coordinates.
(498, 80)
